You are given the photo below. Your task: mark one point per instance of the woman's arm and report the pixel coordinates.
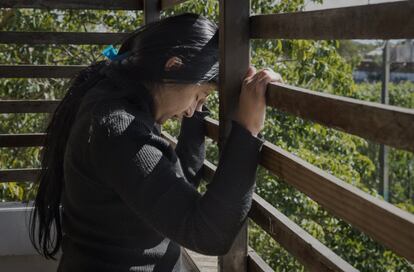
(142, 169)
(190, 148)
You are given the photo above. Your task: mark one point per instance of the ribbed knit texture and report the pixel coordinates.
(130, 199)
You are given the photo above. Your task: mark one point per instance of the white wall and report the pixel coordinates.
(16, 252)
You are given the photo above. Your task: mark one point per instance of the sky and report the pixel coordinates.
(342, 3)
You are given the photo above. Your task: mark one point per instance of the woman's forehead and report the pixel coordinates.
(209, 87)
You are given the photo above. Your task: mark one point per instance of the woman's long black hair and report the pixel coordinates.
(141, 58)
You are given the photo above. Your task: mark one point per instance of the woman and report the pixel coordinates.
(129, 200)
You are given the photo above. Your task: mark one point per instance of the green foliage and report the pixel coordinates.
(316, 65)
(354, 52)
(401, 163)
(41, 20)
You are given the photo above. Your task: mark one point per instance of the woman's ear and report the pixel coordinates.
(173, 63)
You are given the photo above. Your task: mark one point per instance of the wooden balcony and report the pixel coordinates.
(389, 125)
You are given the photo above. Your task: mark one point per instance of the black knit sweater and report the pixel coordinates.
(130, 199)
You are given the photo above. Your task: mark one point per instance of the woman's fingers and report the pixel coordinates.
(261, 78)
(250, 71)
(251, 110)
(250, 74)
(268, 75)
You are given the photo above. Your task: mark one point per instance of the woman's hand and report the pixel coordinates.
(251, 111)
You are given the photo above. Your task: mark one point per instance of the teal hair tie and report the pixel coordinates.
(110, 52)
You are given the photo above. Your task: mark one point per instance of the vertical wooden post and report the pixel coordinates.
(234, 61)
(152, 10)
(152, 13)
(383, 152)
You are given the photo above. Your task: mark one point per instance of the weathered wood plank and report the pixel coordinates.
(152, 9)
(22, 140)
(203, 263)
(393, 126)
(20, 175)
(39, 71)
(384, 222)
(170, 3)
(234, 60)
(73, 4)
(255, 263)
(85, 4)
(13, 37)
(188, 261)
(28, 106)
(208, 167)
(172, 140)
(305, 248)
(376, 21)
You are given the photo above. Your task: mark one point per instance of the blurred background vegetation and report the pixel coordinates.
(324, 66)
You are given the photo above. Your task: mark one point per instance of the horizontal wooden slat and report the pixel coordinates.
(39, 71)
(28, 106)
(38, 139)
(305, 248)
(170, 3)
(255, 263)
(188, 261)
(22, 140)
(377, 21)
(208, 167)
(29, 174)
(84, 4)
(73, 4)
(20, 175)
(61, 37)
(381, 220)
(393, 126)
(172, 140)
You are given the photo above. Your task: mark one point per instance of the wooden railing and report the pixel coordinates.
(384, 222)
(87, 4)
(388, 125)
(380, 123)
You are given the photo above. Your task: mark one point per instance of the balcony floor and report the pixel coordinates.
(203, 263)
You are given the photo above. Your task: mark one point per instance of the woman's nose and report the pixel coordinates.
(189, 112)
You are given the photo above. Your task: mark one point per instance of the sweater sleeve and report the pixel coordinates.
(142, 169)
(190, 148)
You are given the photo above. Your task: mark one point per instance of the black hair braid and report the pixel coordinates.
(50, 180)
